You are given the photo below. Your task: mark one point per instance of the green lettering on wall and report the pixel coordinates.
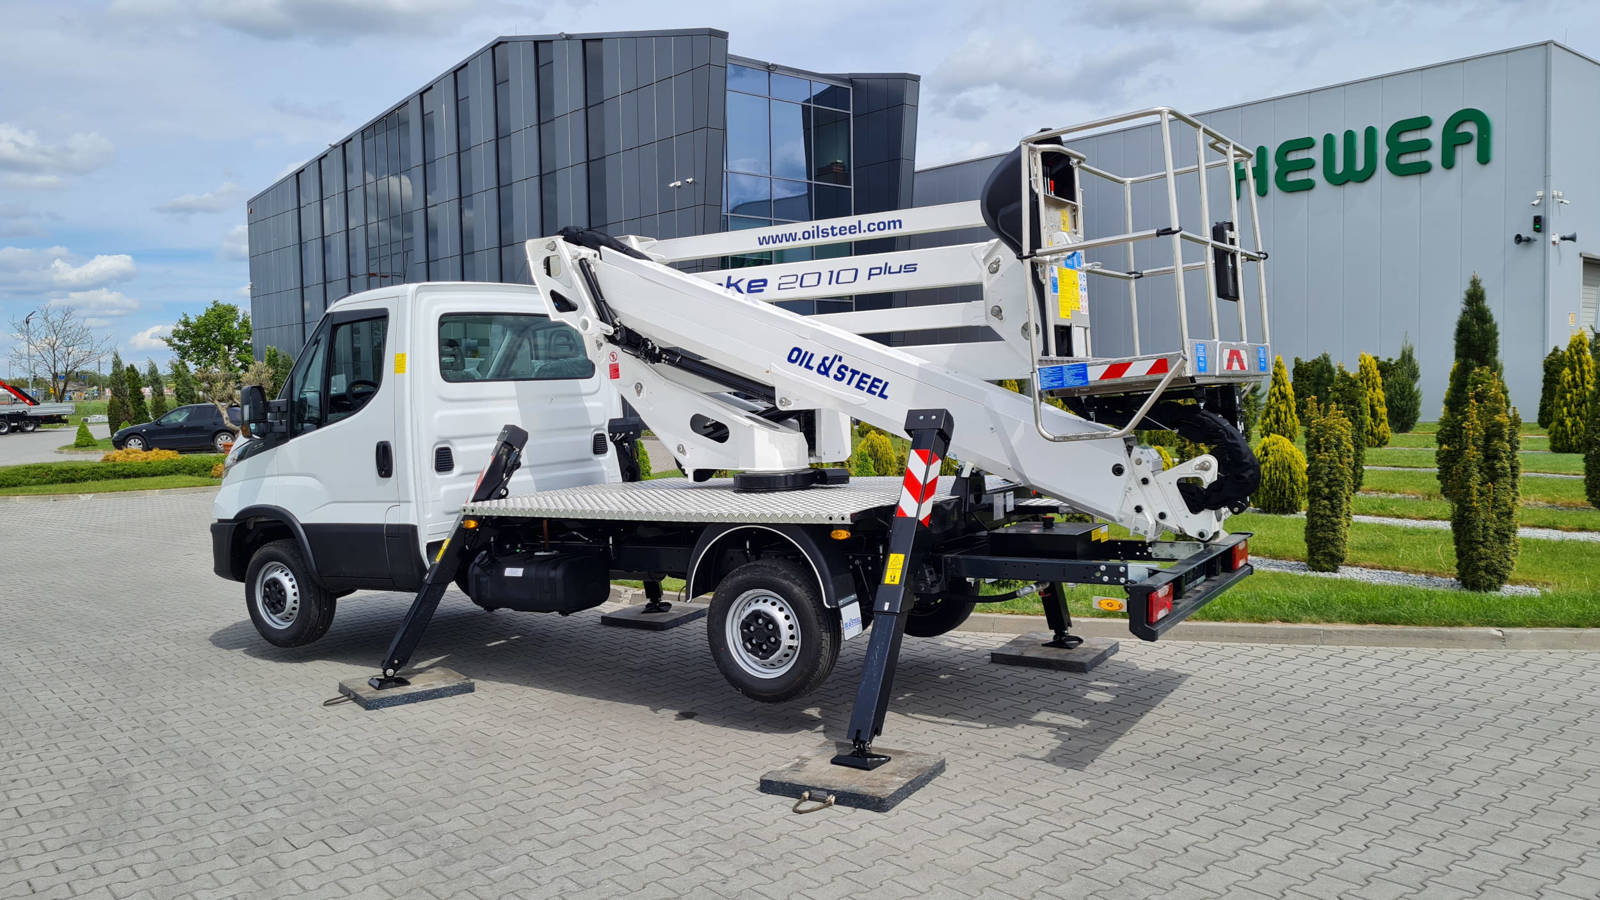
(1259, 171)
(1354, 169)
(1287, 167)
(1400, 147)
(1453, 137)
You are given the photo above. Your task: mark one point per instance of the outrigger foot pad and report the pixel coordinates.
(877, 789)
(381, 691)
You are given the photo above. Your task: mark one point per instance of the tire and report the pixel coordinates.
(29, 426)
(770, 635)
(5, 426)
(937, 615)
(218, 439)
(135, 442)
(287, 607)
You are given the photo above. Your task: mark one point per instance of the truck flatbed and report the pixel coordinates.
(715, 501)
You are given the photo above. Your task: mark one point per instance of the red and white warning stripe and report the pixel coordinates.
(920, 486)
(1134, 369)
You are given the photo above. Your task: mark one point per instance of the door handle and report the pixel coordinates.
(385, 459)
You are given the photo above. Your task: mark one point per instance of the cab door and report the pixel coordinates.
(337, 473)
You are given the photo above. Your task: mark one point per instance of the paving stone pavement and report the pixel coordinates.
(152, 746)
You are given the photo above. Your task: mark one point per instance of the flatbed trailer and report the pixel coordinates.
(21, 411)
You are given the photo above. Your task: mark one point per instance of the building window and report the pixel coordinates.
(795, 130)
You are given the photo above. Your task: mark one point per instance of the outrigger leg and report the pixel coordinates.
(930, 437)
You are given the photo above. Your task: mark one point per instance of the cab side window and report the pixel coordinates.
(355, 366)
(304, 387)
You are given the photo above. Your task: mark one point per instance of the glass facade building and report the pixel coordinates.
(657, 133)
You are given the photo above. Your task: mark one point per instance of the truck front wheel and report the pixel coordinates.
(286, 605)
(770, 634)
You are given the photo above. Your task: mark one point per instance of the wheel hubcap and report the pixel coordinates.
(763, 634)
(277, 595)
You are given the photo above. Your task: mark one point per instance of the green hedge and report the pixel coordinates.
(71, 472)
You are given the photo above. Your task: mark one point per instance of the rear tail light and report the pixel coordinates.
(1160, 605)
(1239, 555)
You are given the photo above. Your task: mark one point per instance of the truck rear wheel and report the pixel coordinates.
(286, 605)
(29, 426)
(933, 616)
(5, 426)
(770, 635)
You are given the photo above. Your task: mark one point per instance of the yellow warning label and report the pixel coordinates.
(1066, 219)
(893, 568)
(1100, 534)
(399, 363)
(1067, 290)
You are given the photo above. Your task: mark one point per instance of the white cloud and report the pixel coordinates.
(243, 292)
(236, 243)
(211, 201)
(51, 269)
(151, 338)
(100, 302)
(319, 20)
(21, 220)
(28, 161)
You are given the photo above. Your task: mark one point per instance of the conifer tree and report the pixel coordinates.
(1477, 344)
(1377, 407)
(1569, 418)
(1554, 362)
(1283, 476)
(1351, 398)
(1279, 416)
(138, 412)
(1402, 389)
(183, 389)
(1483, 521)
(1591, 453)
(1312, 378)
(158, 391)
(1330, 451)
(117, 404)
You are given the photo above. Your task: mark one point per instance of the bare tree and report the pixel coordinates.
(56, 341)
(222, 387)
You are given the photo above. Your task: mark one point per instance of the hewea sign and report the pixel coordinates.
(1406, 150)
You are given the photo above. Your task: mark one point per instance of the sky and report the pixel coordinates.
(132, 132)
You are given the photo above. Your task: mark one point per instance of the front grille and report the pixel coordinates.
(443, 460)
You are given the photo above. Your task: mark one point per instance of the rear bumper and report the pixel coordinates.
(1196, 580)
(222, 551)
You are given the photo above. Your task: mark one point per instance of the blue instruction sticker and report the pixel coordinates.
(1064, 376)
(1200, 362)
(1261, 358)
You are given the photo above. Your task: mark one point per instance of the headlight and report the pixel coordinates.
(232, 458)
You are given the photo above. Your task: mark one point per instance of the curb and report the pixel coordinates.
(1465, 638)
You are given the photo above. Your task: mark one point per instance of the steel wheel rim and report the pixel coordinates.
(763, 634)
(277, 595)
(134, 443)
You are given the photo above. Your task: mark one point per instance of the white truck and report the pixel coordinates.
(361, 474)
(21, 411)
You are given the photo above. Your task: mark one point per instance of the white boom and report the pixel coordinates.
(679, 346)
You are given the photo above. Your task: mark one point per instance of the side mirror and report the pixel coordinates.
(253, 404)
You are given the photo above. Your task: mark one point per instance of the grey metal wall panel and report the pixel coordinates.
(1574, 152)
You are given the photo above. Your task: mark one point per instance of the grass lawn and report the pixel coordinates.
(115, 485)
(1587, 519)
(1557, 565)
(1528, 427)
(1280, 597)
(1529, 441)
(1422, 457)
(99, 444)
(1566, 492)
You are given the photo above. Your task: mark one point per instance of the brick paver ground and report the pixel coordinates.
(152, 745)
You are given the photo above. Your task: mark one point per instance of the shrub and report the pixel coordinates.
(1283, 476)
(1250, 400)
(1331, 450)
(880, 450)
(1351, 398)
(1553, 364)
(139, 456)
(1483, 520)
(861, 464)
(1402, 389)
(1312, 378)
(70, 472)
(1569, 418)
(1279, 416)
(1167, 461)
(1377, 434)
(216, 471)
(1477, 344)
(642, 457)
(1591, 453)
(84, 438)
